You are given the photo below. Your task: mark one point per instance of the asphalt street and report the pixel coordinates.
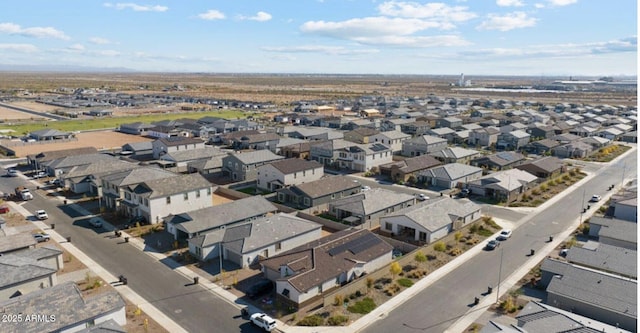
(439, 306)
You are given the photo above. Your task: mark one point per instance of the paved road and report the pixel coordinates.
(439, 306)
(191, 306)
(33, 112)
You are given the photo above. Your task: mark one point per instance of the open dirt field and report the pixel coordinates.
(7, 114)
(98, 139)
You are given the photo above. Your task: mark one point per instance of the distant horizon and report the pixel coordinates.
(536, 38)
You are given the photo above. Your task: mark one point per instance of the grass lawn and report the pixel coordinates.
(113, 122)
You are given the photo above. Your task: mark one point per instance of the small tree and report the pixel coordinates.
(440, 246)
(395, 269)
(457, 236)
(420, 257)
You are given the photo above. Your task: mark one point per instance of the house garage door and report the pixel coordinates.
(234, 257)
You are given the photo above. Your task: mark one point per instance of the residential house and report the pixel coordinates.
(154, 199)
(138, 150)
(318, 192)
(604, 297)
(449, 176)
(165, 132)
(257, 141)
(49, 134)
(243, 166)
(312, 133)
(284, 145)
(178, 160)
(461, 137)
(626, 208)
(210, 167)
(297, 150)
(596, 142)
(63, 308)
(361, 135)
(21, 275)
(61, 166)
(576, 149)
(228, 139)
(114, 185)
(606, 258)
(326, 152)
(544, 146)
(614, 232)
(86, 178)
(16, 242)
(610, 133)
(245, 243)
(584, 131)
(455, 155)
(537, 317)
(499, 161)
(363, 157)
(403, 170)
(192, 223)
(541, 131)
(450, 122)
(484, 137)
(565, 138)
(563, 127)
(288, 172)
(415, 128)
(514, 140)
(428, 221)
(423, 145)
(169, 145)
(442, 132)
(366, 207)
(38, 161)
(308, 271)
(136, 128)
(504, 185)
(391, 139)
(544, 167)
(631, 137)
(395, 124)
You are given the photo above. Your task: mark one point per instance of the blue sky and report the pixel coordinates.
(482, 37)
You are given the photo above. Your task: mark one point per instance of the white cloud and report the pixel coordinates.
(507, 22)
(539, 5)
(38, 32)
(136, 7)
(415, 41)
(434, 10)
(560, 3)
(368, 27)
(76, 47)
(211, 15)
(509, 3)
(24, 48)
(260, 17)
(330, 50)
(107, 53)
(99, 40)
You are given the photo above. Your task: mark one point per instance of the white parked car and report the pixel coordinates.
(595, 198)
(422, 197)
(365, 188)
(41, 214)
(504, 234)
(263, 321)
(96, 222)
(12, 173)
(41, 237)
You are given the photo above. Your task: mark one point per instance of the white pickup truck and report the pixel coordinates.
(263, 321)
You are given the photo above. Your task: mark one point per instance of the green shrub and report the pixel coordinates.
(338, 300)
(364, 306)
(337, 320)
(405, 282)
(313, 320)
(440, 246)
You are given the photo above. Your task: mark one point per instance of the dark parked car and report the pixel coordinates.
(260, 288)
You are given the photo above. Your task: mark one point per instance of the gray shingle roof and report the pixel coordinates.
(451, 171)
(438, 212)
(266, 231)
(455, 152)
(606, 258)
(616, 229)
(16, 241)
(15, 269)
(213, 217)
(541, 318)
(137, 176)
(193, 154)
(292, 165)
(597, 289)
(76, 160)
(161, 187)
(369, 202)
(66, 302)
(326, 186)
(257, 156)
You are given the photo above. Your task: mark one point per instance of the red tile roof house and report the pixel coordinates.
(306, 272)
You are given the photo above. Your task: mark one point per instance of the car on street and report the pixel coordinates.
(40, 174)
(96, 222)
(493, 244)
(263, 321)
(41, 237)
(366, 188)
(260, 288)
(504, 234)
(422, 197)
(41, 214)
(595, 198)
(464, 193)
(12, 172)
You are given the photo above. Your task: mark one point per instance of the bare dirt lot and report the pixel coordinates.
(98, 139)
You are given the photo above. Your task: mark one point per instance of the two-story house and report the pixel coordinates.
(243, 165)
(172, 144)
(415, 128)
(455, 155)
(483, 137)
(154, 199)
(513, 140)
(364, 157)
(318, 192)
(284, 173)
(361, 135)
(367, 207)
(423, 145)
(114, 185)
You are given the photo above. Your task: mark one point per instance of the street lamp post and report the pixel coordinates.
(499, 276)
(584, 193)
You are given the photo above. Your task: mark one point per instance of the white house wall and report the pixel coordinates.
(118, 316)
(285, 245)
(158, 207)
(27, 287)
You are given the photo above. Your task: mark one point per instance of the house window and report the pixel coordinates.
(198, 194)
(208, 190)
(388, 226)
(186, 196)
(307, 202)
(146, 202)
(295, 175)
(127, 196)
(285, 292)
(168, 200)
(278, 246)
(198, 252)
